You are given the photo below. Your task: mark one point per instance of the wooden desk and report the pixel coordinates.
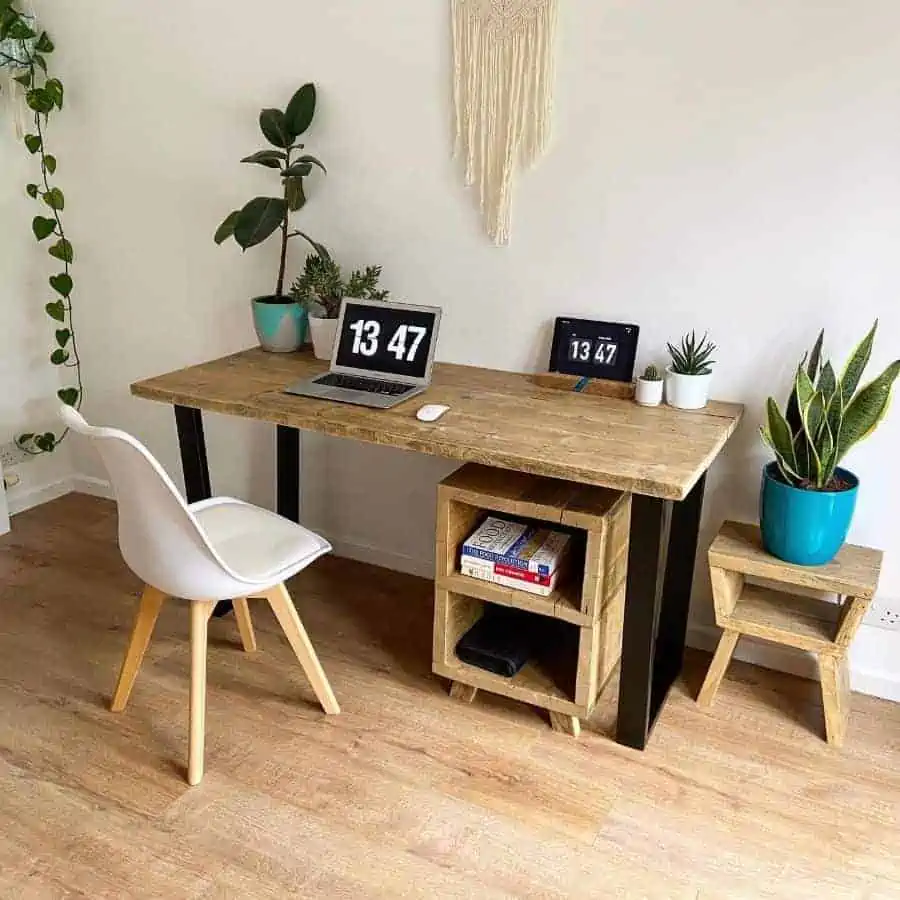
(505, 420)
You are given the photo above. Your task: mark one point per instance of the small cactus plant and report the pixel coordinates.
(651, 373)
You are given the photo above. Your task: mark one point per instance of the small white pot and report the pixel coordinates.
(687, 391)
(322, 332)
(648, 393)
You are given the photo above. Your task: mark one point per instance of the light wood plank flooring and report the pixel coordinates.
(407, 793)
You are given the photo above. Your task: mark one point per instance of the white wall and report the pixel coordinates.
(718, 164)
(28, 383)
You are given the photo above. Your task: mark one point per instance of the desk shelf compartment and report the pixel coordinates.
(584, 614)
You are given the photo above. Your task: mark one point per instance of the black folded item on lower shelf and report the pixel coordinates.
(501, 641)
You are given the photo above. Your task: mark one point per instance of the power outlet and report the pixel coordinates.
(884, 614)
(11, 455)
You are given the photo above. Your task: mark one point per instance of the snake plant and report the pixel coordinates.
(826, 415)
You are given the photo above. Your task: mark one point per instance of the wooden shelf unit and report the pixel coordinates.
(586, 611)
(796, 620)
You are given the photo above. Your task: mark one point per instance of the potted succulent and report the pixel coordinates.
(280, 324)
(689, 375)
(648, 389)
(320, 290)
(807, 500)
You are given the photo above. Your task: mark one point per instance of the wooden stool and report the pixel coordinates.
(582, 617)
(815, 625)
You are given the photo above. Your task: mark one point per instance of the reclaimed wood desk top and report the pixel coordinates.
(500, 419)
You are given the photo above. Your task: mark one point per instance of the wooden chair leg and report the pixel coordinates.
(200, 613)
(147, 614)
(835, 696)
(283, 607)
(564, 724)
(245, 624)
(718, 667)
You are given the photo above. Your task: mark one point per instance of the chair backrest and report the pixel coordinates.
(159, 537)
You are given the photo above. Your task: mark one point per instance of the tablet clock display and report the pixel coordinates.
(594, 349)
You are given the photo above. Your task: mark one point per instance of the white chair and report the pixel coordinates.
(203, 552)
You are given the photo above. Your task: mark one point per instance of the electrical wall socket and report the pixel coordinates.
(884, 613)
(12, 455)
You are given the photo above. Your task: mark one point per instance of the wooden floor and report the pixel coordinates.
(407, 793)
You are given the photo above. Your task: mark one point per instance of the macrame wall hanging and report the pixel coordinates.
(503, 54)
(15, 54)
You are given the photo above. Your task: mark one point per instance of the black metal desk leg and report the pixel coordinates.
(192, 444)
(195, 467)
(287, 464)
(650, 526)
(679, 581)
(661, 562)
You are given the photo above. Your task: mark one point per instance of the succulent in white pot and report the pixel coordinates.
(690, 373)
(320, 290)
(648, 389)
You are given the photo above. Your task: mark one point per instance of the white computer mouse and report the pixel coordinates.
(431, 412)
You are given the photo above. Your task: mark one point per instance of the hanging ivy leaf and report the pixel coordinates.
(56, 310)
(33, 142)
(62, 336)
(40, 61)
(43, 227)
(62, 250)
(44, 44)
(53, 88)
(45, 442)
(24, 80)
(62, 284)
(50, 163)
(40, 100)
(32, 190)
(59, 357)
(54, 199)
(69, 395)
(19, 30)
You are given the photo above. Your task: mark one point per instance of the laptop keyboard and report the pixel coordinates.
(369, 385)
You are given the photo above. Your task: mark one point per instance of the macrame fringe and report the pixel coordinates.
(14, 97)
(503, 95)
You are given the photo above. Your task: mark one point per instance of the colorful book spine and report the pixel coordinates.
(486, 571)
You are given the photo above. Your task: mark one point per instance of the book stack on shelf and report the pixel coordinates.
(515, 555)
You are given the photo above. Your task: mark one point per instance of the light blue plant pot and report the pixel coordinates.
(801, 526)
(280, 323)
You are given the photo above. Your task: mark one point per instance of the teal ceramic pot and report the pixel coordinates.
(280, 323)
(805, 527)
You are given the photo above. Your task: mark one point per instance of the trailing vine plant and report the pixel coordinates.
(25, 52)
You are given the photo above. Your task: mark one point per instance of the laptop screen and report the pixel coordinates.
(387, 338)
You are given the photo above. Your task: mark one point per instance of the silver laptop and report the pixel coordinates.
(383, 354)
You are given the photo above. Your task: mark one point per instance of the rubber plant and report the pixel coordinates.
(44, 95)
(263, 216)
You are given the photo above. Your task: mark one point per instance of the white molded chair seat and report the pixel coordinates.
(203, 552)
(257, 545)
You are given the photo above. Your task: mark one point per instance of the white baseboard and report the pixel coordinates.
(399, 562)
(28, 498)
(877, 683)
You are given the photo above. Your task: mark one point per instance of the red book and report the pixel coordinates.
(522, 575)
